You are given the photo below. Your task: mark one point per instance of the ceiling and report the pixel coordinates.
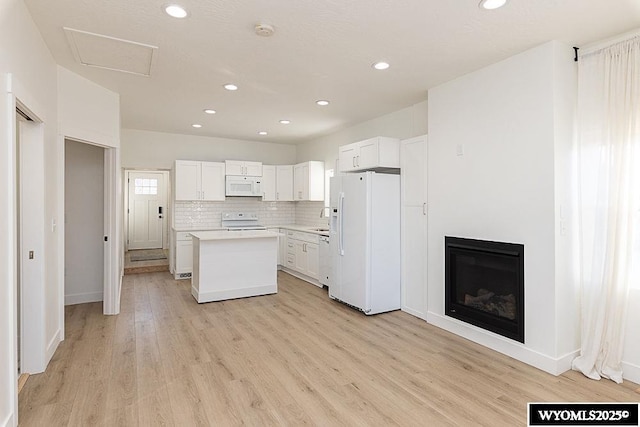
(321, 49)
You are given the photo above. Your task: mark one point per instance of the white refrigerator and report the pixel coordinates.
(365, 241)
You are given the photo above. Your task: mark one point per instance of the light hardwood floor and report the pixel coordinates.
(293, 358)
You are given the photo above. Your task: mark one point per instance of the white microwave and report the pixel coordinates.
(247, 186)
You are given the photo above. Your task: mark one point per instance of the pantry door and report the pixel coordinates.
(147, 209)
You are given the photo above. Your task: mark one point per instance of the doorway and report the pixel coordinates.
(84, 218)
(146, 209)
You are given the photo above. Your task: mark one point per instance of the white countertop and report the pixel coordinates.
(304, 228)
(294, 227)
(228, 235)
(179, 229)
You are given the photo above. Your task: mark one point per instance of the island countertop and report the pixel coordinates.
(236, 234)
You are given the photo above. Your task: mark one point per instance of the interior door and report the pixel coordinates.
(413, 157)
(147, 208)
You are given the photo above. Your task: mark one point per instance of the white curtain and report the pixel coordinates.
(608, 139)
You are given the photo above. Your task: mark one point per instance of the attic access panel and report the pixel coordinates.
(110, 53)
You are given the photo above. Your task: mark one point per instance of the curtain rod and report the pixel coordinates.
(603, 44)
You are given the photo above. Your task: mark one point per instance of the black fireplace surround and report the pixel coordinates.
(484, 285)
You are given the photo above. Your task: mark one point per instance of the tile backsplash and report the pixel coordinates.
(196, 214)
(309, 213)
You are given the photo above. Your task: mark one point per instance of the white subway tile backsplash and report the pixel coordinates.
(309, 213)
(196, 214)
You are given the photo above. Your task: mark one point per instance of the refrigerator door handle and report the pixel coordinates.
(340, 225)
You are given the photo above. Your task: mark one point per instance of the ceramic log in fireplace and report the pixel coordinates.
(484, 285)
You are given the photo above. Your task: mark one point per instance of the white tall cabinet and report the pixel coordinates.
(413, 167)
(199, 180)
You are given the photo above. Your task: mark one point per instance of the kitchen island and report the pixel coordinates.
(234, 264)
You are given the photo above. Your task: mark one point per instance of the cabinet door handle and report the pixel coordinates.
(277, 196)
(358, 161)
(424, 208)
(353, 161)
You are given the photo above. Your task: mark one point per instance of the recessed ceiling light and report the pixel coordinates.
(491, 4)
(175, 11)
(322, 102)
(196, 125)
(262, 132)
(209, 111)
(230, 86)
(285, 122)
(380, 65)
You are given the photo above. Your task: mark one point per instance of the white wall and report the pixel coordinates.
(157, 150)
(505, 188)
(91, 113)
(87, 111)
(24, 55)
(84, 223)
(402, 124)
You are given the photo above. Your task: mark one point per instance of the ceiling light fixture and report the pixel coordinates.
(264, 30)
(230, 86)
(491, 4)
(196, 125)
(322, 102)
(176, 11)
(209, 111)
(262, 132)
(285, 122)
(381, 65)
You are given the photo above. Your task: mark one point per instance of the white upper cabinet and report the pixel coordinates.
(380, 153)
(277, 183)
(308, 181)
(199, 180)
(268, 183)
(284, 183)
(212, 185)
(243, 168)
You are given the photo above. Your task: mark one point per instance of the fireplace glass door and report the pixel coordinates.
(484, 285)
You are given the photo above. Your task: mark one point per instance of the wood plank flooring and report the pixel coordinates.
(294, 358)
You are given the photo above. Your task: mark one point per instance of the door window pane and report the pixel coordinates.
(146, 186)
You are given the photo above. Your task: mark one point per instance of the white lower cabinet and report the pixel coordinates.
(313, 260)
(184, 255)
(302, 254)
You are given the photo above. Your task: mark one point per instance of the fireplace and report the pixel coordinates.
(484, 285)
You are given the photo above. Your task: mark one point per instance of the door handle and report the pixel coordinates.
(160, 210)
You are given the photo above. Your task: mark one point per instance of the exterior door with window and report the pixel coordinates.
(147, 210)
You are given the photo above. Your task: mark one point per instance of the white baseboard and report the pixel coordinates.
(415, 313)
(52, 346)
(83, 298)
(302, 276)
(226, 294)
(631, 372)
(10, 420)
(554, 366)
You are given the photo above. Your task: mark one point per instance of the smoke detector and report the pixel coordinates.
(264, 30)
